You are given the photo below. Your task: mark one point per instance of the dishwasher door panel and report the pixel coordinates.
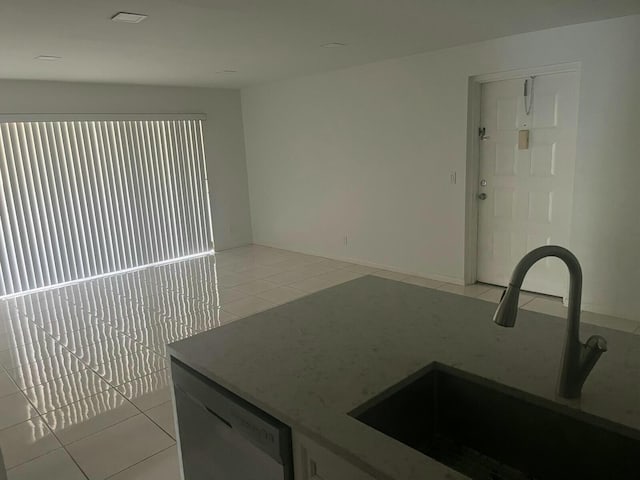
(222, 436)
(211, 450)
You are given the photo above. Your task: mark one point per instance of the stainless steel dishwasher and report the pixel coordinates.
(223, 437)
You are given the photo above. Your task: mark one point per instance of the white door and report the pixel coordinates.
(528, 191)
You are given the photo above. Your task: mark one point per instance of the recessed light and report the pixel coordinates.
(48, 58)
(334, 45)
(127, 17)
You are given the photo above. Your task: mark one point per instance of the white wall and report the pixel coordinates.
(367, 152)
(224, 138)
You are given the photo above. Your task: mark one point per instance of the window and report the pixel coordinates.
(86, 198)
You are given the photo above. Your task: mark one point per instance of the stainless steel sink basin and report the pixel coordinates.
(488, 431)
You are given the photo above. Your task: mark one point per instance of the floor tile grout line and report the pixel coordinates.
(64, 447)
(108, 427)
(46, 425)
(527, 302)
(288, 284)
(115, 388)
(103, 429)
(321, 259)
(94, 395)
(61, 447)
(56, 436)
(4, 370)
(88, 367)
(62, 444)
(74, 460)
(140, 412)
(156, 423)
(137, 463)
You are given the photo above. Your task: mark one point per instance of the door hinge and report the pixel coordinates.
(482, 131)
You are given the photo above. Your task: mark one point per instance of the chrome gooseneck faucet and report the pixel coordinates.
(578, 358)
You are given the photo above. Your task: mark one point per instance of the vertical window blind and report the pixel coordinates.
(81, 199)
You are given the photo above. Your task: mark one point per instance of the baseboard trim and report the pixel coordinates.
(431, 276)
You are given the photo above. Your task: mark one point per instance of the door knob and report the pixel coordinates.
(482, 196)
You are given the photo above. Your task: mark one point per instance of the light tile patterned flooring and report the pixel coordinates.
(84, 390)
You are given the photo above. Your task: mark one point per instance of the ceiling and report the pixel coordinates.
(189, 42)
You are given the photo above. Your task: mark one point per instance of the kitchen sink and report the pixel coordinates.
(488, 431)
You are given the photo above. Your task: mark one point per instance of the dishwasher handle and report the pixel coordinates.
(217, 416)
(204, 407)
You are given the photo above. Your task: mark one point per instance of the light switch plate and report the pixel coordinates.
(523, 139)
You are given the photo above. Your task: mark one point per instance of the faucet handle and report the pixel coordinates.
(589, 355)
(597, 342)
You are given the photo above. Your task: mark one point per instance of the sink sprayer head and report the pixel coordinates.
(507, 310)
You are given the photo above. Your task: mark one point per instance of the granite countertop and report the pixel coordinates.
(311, 361)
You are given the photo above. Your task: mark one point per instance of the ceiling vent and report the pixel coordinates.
(126, 17)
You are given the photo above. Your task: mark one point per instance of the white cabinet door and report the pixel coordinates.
(528, 191)
(313, 462)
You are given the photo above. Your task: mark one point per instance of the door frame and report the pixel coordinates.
(473, 152)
